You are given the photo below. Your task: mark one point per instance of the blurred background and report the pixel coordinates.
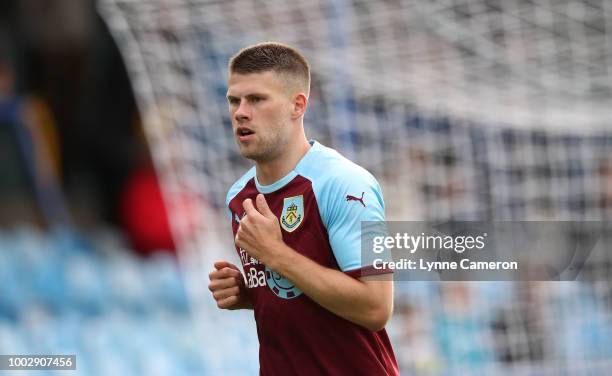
(116, 153)
(87, 260)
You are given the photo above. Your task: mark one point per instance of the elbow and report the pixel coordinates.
(375, 314)
(378, 319)
(375, 327)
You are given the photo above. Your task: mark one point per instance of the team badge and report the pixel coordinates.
(293, 213)
(281, 286)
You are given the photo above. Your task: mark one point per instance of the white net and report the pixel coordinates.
(463, 109)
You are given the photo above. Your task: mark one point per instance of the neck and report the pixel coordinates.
(270, 171)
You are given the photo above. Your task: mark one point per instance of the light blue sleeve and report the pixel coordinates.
(342, 211)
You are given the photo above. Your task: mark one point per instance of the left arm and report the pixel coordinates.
(367, 301)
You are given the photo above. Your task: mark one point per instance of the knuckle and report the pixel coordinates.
(219, 294)
(233, 272)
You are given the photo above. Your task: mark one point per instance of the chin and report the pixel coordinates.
(255, 156)
(257, 153)
(249, 154)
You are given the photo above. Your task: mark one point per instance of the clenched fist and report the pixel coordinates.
(227, 287)
(259, 232)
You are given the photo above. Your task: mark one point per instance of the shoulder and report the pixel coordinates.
(336, 180)
(327, 169)
(239, 185)
(324, 166)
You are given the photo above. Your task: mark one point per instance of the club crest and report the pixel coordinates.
(293, 213)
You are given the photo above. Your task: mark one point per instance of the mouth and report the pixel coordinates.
(244, 133)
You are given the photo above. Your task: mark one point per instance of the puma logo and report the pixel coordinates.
(353, 198)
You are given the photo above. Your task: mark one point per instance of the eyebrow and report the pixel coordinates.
(250, 95)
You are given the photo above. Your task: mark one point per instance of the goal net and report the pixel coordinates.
(463, 109)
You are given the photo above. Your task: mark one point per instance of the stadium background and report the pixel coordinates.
(470, 109)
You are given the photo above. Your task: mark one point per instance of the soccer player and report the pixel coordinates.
(296, 217)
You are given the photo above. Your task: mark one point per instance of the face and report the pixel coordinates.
(260, 108)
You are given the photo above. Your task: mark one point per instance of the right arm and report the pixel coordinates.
(228, 288)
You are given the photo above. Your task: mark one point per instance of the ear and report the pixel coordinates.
(300, 102)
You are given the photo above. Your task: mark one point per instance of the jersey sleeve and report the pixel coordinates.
(350, 197)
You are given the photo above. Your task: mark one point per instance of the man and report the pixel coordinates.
(296, 217)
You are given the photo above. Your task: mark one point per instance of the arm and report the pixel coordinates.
(366, 302)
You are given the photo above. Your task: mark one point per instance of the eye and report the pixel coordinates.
(255, 99)
(233, 100)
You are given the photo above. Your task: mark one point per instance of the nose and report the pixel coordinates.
(243, 112)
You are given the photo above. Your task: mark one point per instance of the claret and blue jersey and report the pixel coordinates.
(320, 206)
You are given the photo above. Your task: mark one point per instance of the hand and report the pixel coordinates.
(259, 232)
(227, 286)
